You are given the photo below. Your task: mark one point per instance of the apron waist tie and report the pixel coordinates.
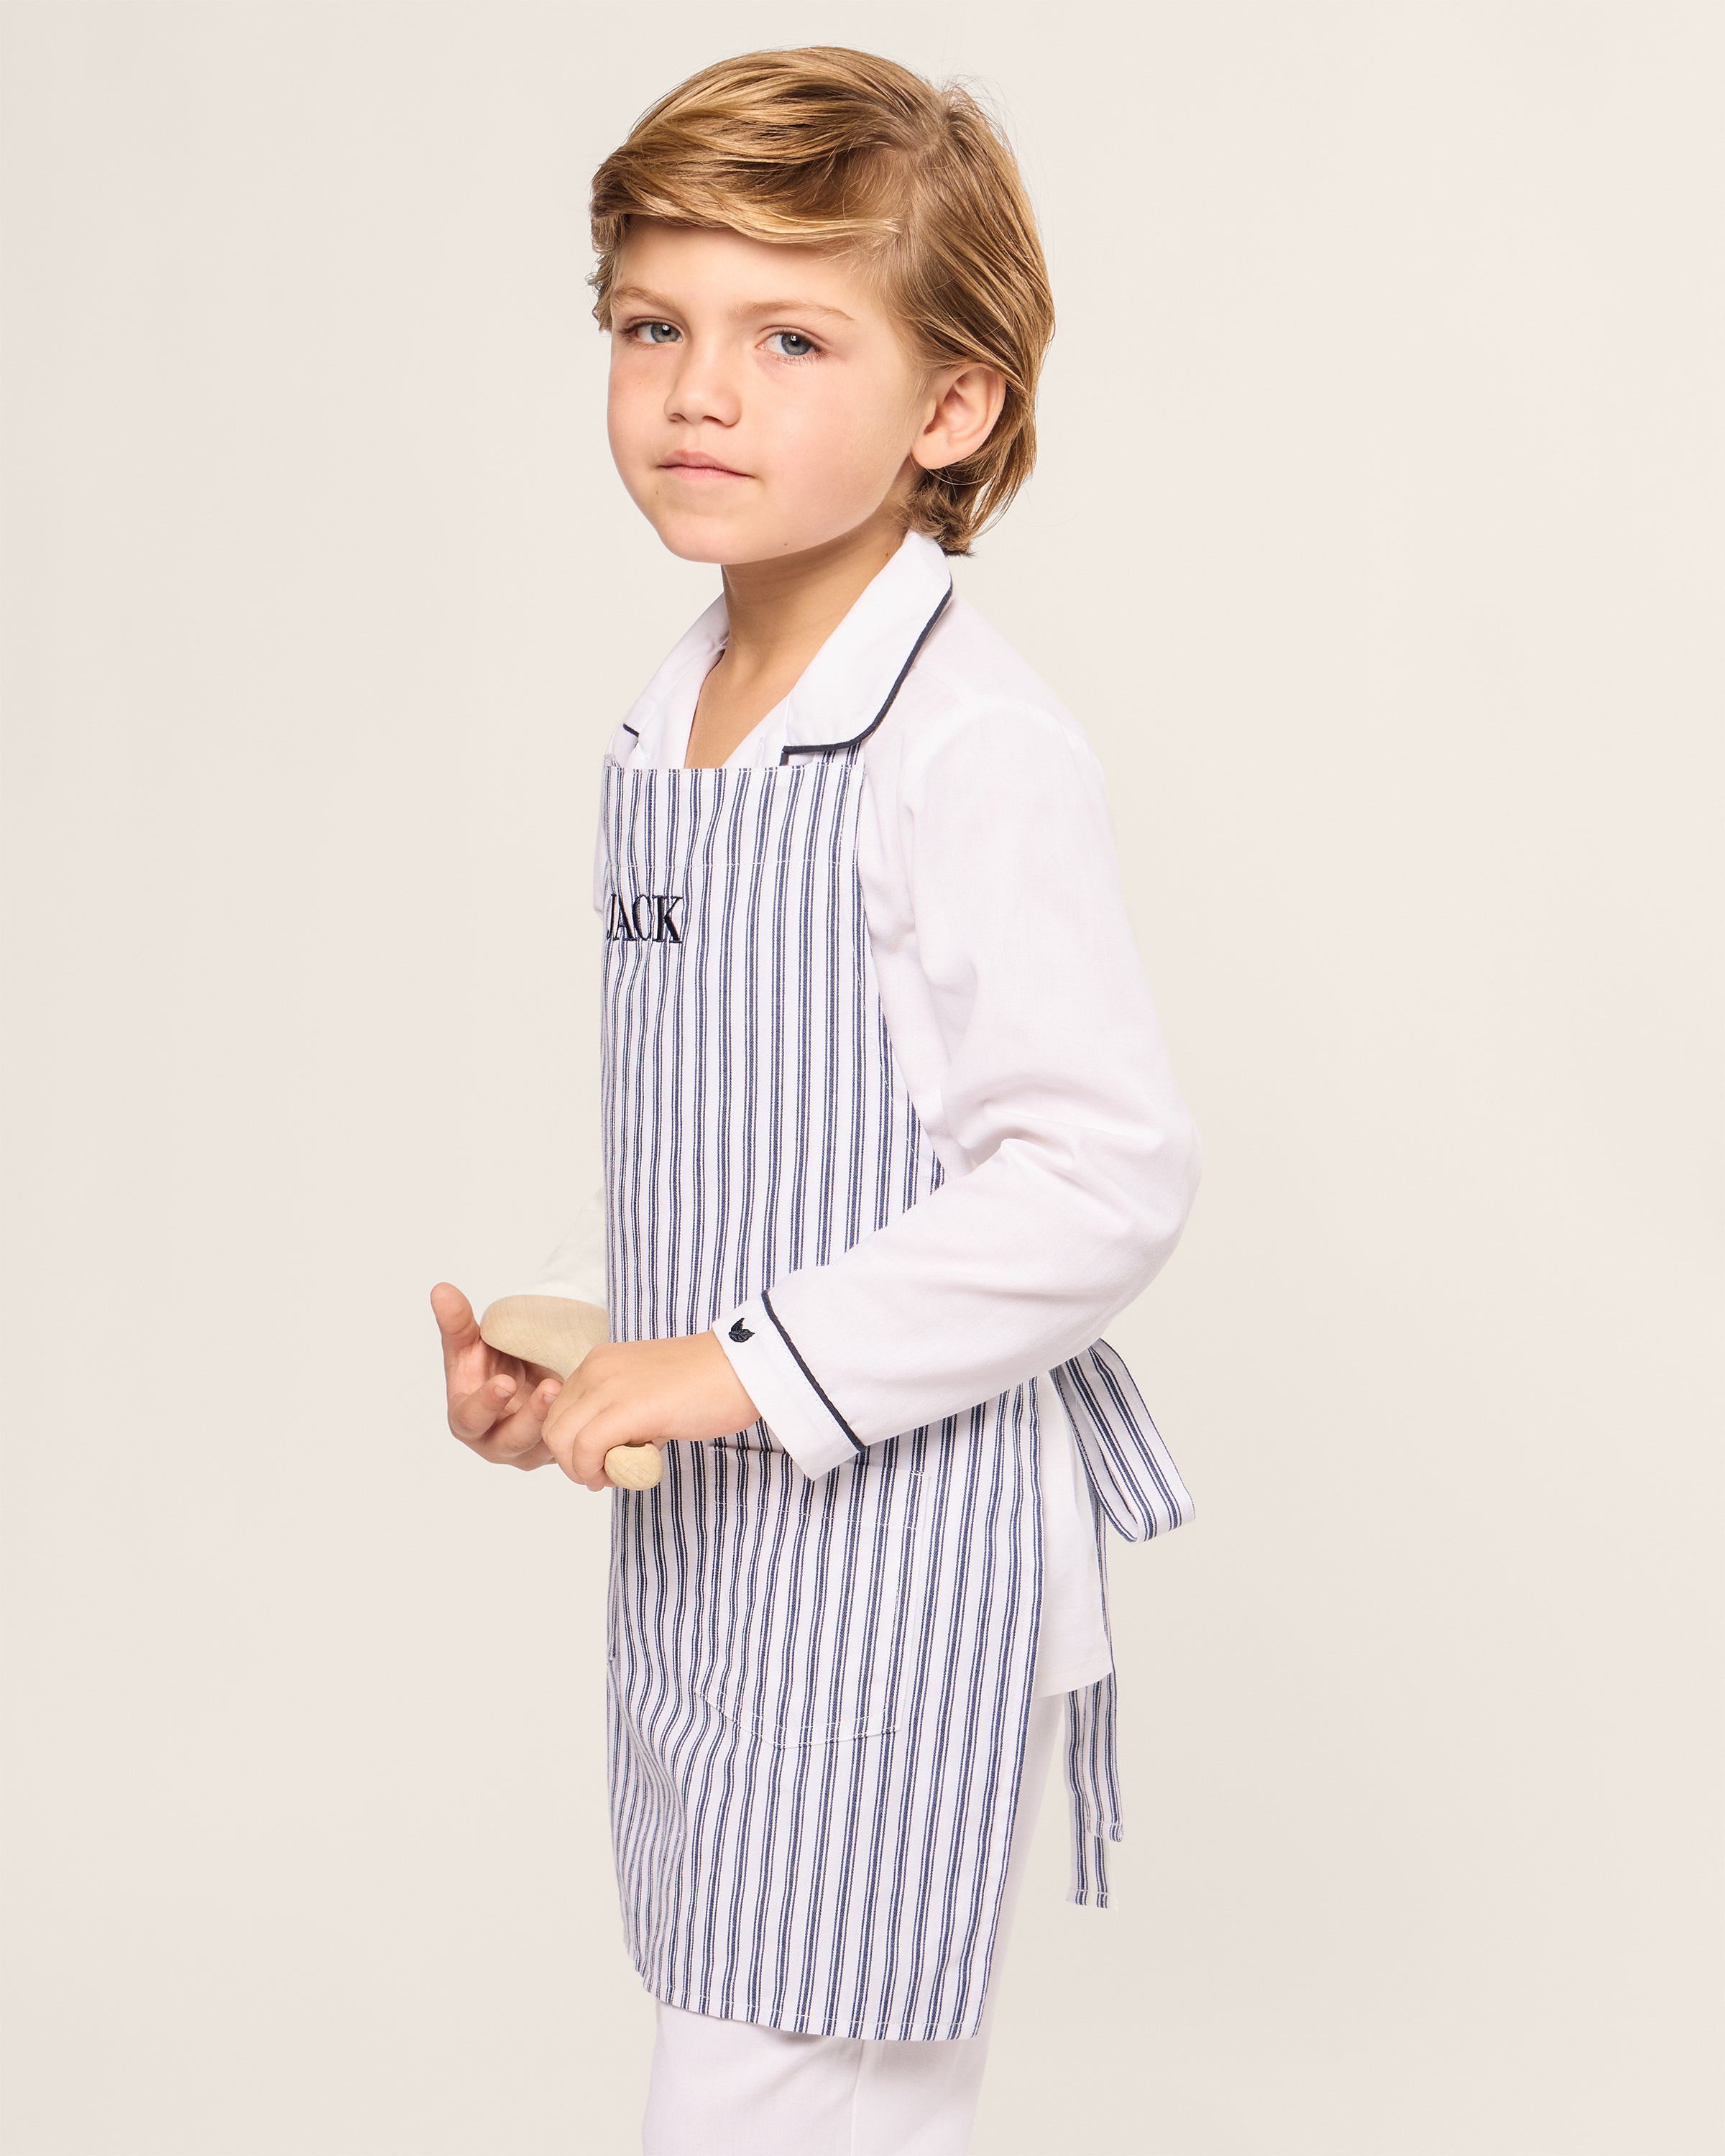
(1093, 1784)
(1136, 1488)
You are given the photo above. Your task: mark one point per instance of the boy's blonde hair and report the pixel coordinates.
(824, 146)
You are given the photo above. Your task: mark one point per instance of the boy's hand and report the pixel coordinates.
(626, 1392)
(497, 1403)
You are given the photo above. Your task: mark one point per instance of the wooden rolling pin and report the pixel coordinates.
(555, 1332)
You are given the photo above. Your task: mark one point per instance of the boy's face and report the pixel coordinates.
(779, 365)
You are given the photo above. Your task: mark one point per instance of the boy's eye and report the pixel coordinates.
(670, 328)
(797, 338)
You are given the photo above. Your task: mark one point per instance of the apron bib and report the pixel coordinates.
(817, 1689)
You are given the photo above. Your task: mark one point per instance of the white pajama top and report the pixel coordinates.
(1024, 1027)
(905, 1226)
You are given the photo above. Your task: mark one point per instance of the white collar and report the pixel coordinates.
(846, 688)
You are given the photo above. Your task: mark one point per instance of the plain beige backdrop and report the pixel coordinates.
(1376, 541)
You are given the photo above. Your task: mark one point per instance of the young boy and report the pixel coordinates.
(889, 1130)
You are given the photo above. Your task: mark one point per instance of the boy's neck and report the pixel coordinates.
(779, 613)
(780, 608)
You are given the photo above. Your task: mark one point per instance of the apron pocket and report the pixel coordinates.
(815, 1729)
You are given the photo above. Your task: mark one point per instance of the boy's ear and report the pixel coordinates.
(968, 401)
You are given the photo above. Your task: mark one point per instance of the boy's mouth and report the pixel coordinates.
(695, 465)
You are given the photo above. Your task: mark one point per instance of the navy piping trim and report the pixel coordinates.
(809, 1374)
(820, 748)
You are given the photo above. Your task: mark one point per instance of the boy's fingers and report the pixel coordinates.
(471, 1415)
(501, 1414)
(587, 1454)
(523, 1426)
(578, 1441)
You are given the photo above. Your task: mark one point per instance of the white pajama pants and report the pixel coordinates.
(735, 2088)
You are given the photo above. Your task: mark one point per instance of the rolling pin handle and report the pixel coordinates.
(634, 1466)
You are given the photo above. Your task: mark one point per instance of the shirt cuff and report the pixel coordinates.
(786, 1395)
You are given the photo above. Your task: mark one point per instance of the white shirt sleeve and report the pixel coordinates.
(577, 1267)
(1078, 1161)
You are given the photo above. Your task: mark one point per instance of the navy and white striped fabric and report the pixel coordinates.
(1136, 1487)
(1133, 1479)
(818, 1687)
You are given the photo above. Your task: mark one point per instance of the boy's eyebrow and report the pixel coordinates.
(744, 307)
(798, 307)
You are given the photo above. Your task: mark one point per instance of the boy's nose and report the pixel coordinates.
(703, 389)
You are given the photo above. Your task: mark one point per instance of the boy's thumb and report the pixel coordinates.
(451, 1309)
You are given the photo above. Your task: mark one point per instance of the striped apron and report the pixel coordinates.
(817, 1689)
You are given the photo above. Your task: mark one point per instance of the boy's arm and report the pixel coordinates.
(1082, 1160)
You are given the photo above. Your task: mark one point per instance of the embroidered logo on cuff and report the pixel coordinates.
(739, 1331)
